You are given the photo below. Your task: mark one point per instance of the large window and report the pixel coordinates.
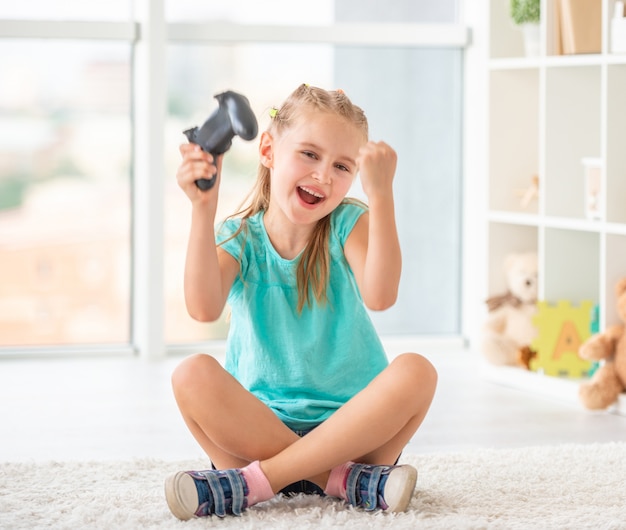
(418, 111)
(64, 192)
(67, 226)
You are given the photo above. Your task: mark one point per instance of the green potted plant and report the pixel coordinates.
(525, 11)
(526, 14)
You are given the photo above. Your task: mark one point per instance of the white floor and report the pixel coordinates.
(121, 408)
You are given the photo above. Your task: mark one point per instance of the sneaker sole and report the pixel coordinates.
(181, 495)
(399, 488)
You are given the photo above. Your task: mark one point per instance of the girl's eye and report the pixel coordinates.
(309, 154)
(341, 167)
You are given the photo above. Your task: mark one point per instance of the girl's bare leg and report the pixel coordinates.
(235, 428)
(231, 425)
(372, 428)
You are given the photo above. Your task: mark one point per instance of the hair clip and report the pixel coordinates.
(340, 91)
(273, 112)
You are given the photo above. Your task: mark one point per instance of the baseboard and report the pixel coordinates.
(559, 388)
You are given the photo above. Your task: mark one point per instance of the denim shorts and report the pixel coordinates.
(302, 486)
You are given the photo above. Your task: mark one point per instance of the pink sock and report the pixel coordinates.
(259, 488)
(336, 485)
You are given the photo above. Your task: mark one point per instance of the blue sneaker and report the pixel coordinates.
(202, 493)
(380, 487)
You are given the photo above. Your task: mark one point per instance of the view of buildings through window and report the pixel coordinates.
(65, 158)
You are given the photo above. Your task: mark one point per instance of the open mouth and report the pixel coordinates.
(310, 196)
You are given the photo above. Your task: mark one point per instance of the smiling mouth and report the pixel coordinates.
(309, 196)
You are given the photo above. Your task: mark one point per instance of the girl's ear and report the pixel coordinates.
(266, 150)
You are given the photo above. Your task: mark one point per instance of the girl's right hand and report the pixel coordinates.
(197, 164)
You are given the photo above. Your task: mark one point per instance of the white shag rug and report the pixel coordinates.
(560, 487)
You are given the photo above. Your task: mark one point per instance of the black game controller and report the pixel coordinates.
(233, 117)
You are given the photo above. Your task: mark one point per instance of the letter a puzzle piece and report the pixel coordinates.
(561, 329)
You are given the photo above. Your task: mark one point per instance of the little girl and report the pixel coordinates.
(307, 401)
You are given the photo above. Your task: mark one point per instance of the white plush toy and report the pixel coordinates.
(509, 330)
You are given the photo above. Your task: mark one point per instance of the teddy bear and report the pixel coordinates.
(609, 380)
(508, 329)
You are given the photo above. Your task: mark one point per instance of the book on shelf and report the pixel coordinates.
(579, 26)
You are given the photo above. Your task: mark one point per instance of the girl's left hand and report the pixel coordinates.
(377, 167)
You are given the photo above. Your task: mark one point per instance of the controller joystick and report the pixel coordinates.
(233, 117)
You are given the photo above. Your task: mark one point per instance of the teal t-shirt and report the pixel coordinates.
(303, 366)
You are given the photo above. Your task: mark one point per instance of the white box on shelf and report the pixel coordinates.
(618, 29)
(594, 202)
(618, 35)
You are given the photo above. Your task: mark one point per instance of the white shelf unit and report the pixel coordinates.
(545, 114)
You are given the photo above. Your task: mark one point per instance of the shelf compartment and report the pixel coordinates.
(514, 137)
(572, 132)
(504, 239)
(571, 266)
(506, 39)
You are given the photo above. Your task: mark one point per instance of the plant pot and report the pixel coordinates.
(531, 35)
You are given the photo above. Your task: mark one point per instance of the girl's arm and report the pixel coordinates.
(372, 248)
(209, 270)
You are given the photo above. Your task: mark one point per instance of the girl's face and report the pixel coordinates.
(312, 165)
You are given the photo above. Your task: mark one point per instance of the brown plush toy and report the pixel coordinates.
(509, 329)
(606, 384)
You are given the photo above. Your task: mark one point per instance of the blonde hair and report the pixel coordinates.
(312, 273)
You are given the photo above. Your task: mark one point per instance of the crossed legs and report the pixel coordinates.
(234, 428)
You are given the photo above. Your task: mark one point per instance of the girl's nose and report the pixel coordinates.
(322, 174)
